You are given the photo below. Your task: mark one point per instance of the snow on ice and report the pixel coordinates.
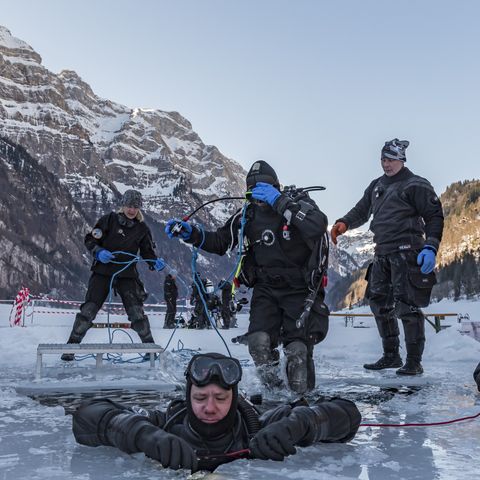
(36, 440)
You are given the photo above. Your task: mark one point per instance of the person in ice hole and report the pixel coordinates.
(214, 424)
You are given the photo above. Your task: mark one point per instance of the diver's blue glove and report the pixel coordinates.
(178, 228)
(426, 258)
(159, 264)
(265, 192)
(104, 256)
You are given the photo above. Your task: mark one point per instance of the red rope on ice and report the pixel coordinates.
(432, 424)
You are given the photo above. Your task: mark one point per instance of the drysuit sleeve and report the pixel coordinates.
(426, 202)
(104, 422)
(94, 239)
(303, 214)
(147, 247)
(219, 241)
(361, 212)
(336, 420)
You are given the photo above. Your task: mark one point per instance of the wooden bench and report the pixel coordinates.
(437, 320)
(97, 349)
(436, 323)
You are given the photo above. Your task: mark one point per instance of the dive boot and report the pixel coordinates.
(412, 367)
(388, 360)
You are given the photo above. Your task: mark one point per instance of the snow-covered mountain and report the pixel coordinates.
(57, 137)
(347, 264)
(354, 250)
(63, 146)
(98, 148)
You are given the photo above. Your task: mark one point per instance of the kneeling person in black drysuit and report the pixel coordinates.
(476, 376)
(282, 236)
(123, 231)
(213, 425)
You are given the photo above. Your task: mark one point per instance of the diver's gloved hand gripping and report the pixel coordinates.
(171, 451)
(277, 440)
(178, 228)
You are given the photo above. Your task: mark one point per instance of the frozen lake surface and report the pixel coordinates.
(36, 440)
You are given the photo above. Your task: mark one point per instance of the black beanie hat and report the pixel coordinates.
(261, 171)
(225, 425)
(132, 198)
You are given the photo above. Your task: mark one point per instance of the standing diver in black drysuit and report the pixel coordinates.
(200, 318)
(282, 237)
(124, 231)
(227, 304)
(170, 294)
(213, 424)
(407, 225)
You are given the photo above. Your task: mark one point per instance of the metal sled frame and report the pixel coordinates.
(97, 349)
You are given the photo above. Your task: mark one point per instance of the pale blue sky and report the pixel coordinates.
(313, 87)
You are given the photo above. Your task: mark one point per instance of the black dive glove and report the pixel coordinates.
(277, 440)
(171, 451)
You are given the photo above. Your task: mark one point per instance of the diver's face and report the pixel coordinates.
(210, 403)
(130, 212)
(391, 167)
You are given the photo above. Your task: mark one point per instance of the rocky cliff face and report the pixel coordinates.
(41, 228)
(459, 255)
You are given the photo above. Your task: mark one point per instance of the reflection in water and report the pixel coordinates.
(406, 451)
(148, 399)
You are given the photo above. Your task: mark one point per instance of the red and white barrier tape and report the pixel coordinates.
(74, 312)
(21, 301)
(76, 302)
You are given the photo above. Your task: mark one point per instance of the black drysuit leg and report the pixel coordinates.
(133, 295)
(380, 293)
(97, 293)
(274, 311)
(171, 313)
(392, 296)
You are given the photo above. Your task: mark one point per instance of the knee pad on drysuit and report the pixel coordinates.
(266, 358)
(140, 323)
(260, 348)
(83, 321)
(297, 366)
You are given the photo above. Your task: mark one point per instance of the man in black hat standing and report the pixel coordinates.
(282, 234)
(213, 424)
(407, 225)
(227, 304)
(123, 231)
